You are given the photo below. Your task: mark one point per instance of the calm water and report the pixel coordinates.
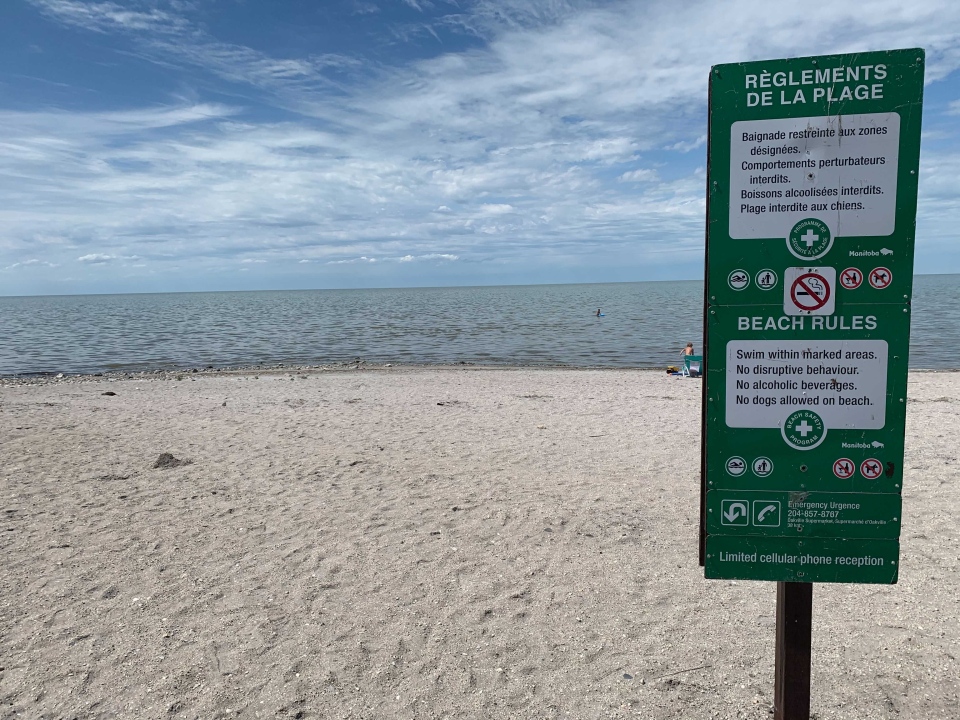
(645, 325)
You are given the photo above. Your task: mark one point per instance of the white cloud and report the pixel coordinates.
(639, 175)
(496, 208)
(31, 261)
(685, 146)
(536, 143)
(351, 261)
(108, 16)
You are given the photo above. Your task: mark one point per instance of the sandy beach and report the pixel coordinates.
(425, 543)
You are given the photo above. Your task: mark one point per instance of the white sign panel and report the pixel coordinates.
(840, 169)
(842, 381)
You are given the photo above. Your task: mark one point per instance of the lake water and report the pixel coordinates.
(645, 325)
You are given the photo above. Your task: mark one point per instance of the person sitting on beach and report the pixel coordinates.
(688, 350)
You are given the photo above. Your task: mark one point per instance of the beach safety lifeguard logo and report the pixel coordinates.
(809, 239)
(803, 430)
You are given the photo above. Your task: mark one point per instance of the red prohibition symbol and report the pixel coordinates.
(871, 468)
(810, 292)
(880, 278)
(844, 468)
(851, 278)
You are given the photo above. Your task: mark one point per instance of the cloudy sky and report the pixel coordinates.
(165, 145)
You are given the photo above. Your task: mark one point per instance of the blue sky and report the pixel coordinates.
(167, 145)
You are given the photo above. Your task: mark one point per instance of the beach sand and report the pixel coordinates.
(426, 543)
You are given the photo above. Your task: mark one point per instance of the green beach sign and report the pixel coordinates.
(812, 197)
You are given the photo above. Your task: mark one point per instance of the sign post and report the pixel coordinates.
(811, 214)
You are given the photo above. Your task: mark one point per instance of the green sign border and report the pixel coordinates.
(735, 557)
(904, 86)
(807, 471)
(806, 514)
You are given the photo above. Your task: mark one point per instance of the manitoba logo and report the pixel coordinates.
(803, 430)
(809, 239)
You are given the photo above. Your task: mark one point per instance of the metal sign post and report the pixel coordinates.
(811, 215)
(791, 686)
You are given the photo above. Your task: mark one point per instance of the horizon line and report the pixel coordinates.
(406, 287)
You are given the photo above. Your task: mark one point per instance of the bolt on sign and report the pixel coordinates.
(811, 216)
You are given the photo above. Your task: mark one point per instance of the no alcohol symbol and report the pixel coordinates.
(809, 239)
(851, 278)
(844, 468)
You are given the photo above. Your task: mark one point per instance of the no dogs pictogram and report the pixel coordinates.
(880, 278)
(810, 292)
(851, 278)
(871, 468)
(844, 468)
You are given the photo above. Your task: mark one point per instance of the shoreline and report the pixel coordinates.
(44, 378)
(47, 378)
